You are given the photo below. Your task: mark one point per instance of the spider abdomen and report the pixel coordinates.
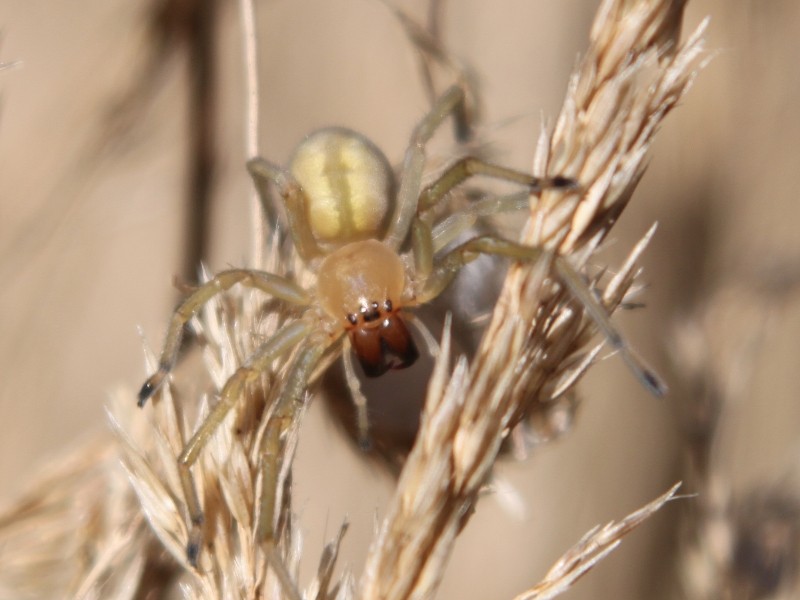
(348, 184)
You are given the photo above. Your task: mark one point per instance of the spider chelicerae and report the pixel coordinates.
(349, 223)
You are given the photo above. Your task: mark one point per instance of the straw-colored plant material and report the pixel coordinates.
(536, 347)
(591, 549)
(77, 532)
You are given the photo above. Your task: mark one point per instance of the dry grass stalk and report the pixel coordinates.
(591, 549)
(536, 347)
(634, 73)
(78, 532)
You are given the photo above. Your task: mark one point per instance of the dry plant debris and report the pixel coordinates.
(536, 347)
(590, 550)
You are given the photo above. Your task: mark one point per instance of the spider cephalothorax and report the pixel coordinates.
(362, 286)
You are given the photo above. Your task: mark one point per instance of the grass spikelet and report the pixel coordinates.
(590, 550)
(78, 532)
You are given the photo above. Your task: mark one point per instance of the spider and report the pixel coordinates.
(349, 224)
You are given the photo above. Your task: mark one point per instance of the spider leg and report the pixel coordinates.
(446, 268)
(460, 221)
(453, 176)
(577, 286)
(282, 342)
(274, 285)
(358, 397)
(264, 172)
(470, 166)
(286, 408)
(449, 103)
(431, 343)
(427, 39)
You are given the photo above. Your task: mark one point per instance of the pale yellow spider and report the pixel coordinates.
(349, 224)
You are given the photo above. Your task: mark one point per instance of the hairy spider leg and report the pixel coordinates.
(276, 286)
(284, 411)
(460, 221)
(578, 287)
(263, 173)
(449, 103)
(454, 175)
(446, 268)
(281, 343)
(469, 166)
(358, 397)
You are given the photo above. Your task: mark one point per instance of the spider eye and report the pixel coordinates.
(383, 346)
(370, 312)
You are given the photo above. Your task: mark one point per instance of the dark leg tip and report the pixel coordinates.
(193, 553)
(152, 384)
(195, 539)
(559, 181)
(147, 390)
(657, 387)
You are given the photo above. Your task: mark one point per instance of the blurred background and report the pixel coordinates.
(96, 122)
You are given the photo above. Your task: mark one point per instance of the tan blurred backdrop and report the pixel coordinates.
(90, 238)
